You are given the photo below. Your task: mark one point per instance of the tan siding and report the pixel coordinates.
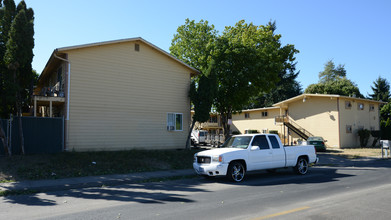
(318, 115)
(357, 119)
(256, 121)
(120, 98)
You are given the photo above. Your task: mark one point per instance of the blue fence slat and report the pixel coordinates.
(41, 135)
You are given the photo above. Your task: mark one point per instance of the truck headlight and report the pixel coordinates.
(218, 158)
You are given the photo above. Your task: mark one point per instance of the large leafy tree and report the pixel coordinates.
(381, 90)
(286, 88)
(242, 62)
(247, 61)
(192, 44)
(332, 80)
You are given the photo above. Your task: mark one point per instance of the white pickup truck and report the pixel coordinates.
(242, 153)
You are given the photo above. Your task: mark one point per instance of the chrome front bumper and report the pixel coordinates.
(212, 169)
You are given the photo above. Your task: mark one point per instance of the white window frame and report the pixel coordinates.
(265, 114)
(246, 115)
(171, 121)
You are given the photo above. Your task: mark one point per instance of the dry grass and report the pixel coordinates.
(77, 164)
(353, 153)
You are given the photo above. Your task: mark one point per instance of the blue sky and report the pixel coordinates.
(355, 33)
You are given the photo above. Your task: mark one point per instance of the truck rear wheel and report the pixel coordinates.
(301, 166)
(236, 171)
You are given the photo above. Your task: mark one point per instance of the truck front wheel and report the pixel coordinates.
(236, 171)
(301, 166)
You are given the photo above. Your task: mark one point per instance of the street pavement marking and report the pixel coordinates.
(282, 213)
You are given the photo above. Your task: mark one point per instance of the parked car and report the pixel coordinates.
(242, 153)
(318, 142)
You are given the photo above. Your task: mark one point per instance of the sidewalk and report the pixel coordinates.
(91, 181)
(109, 180)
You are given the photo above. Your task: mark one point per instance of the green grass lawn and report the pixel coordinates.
(77, 164)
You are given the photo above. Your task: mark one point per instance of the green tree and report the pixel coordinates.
(202, 99)
(7, 95)
(385, 121)
(381, 90)
(18, 57)
(192, 44)
(333, 81)
(247, 61)
(332, 73)
(242, 62)
(286, 88)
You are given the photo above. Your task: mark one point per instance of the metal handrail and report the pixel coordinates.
(286, 119)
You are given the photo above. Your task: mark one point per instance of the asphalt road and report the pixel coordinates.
(362, 191)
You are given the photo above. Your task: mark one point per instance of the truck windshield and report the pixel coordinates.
(238, 142)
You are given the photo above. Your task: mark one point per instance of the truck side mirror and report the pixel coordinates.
(254, 148)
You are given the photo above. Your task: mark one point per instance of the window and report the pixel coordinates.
(348, 105)
(261, 142)
(274, 142)
(174, 121)
(348, 129)
(213, 119)
(59, 75)
(360, 106)
(137, 47)
(246, 115)
(371, 107)
(264, 114)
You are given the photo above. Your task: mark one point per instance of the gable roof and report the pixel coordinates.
(57, 51)
(331, 96)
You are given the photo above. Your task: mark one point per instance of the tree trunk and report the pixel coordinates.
(19, 112)
(21, 136)
(189, 136)
(4, 139)
(224, 121)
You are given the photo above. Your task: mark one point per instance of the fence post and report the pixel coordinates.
(10, 134)
(62, 133)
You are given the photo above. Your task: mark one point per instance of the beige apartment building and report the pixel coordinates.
(117, 95)
(335, 118)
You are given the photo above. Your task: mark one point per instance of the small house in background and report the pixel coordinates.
(335, 118)
(116, 95)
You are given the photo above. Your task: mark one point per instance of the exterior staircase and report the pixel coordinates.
(301, 132)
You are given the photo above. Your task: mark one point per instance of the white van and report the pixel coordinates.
(198, 137)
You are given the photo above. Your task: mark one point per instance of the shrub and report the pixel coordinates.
(273, 132)
(252, 131)
(235, 132)
(364, 135)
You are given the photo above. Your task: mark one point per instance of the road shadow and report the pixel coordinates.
(174, 191)
(146, 193)
(326, 159)
(286, 176)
